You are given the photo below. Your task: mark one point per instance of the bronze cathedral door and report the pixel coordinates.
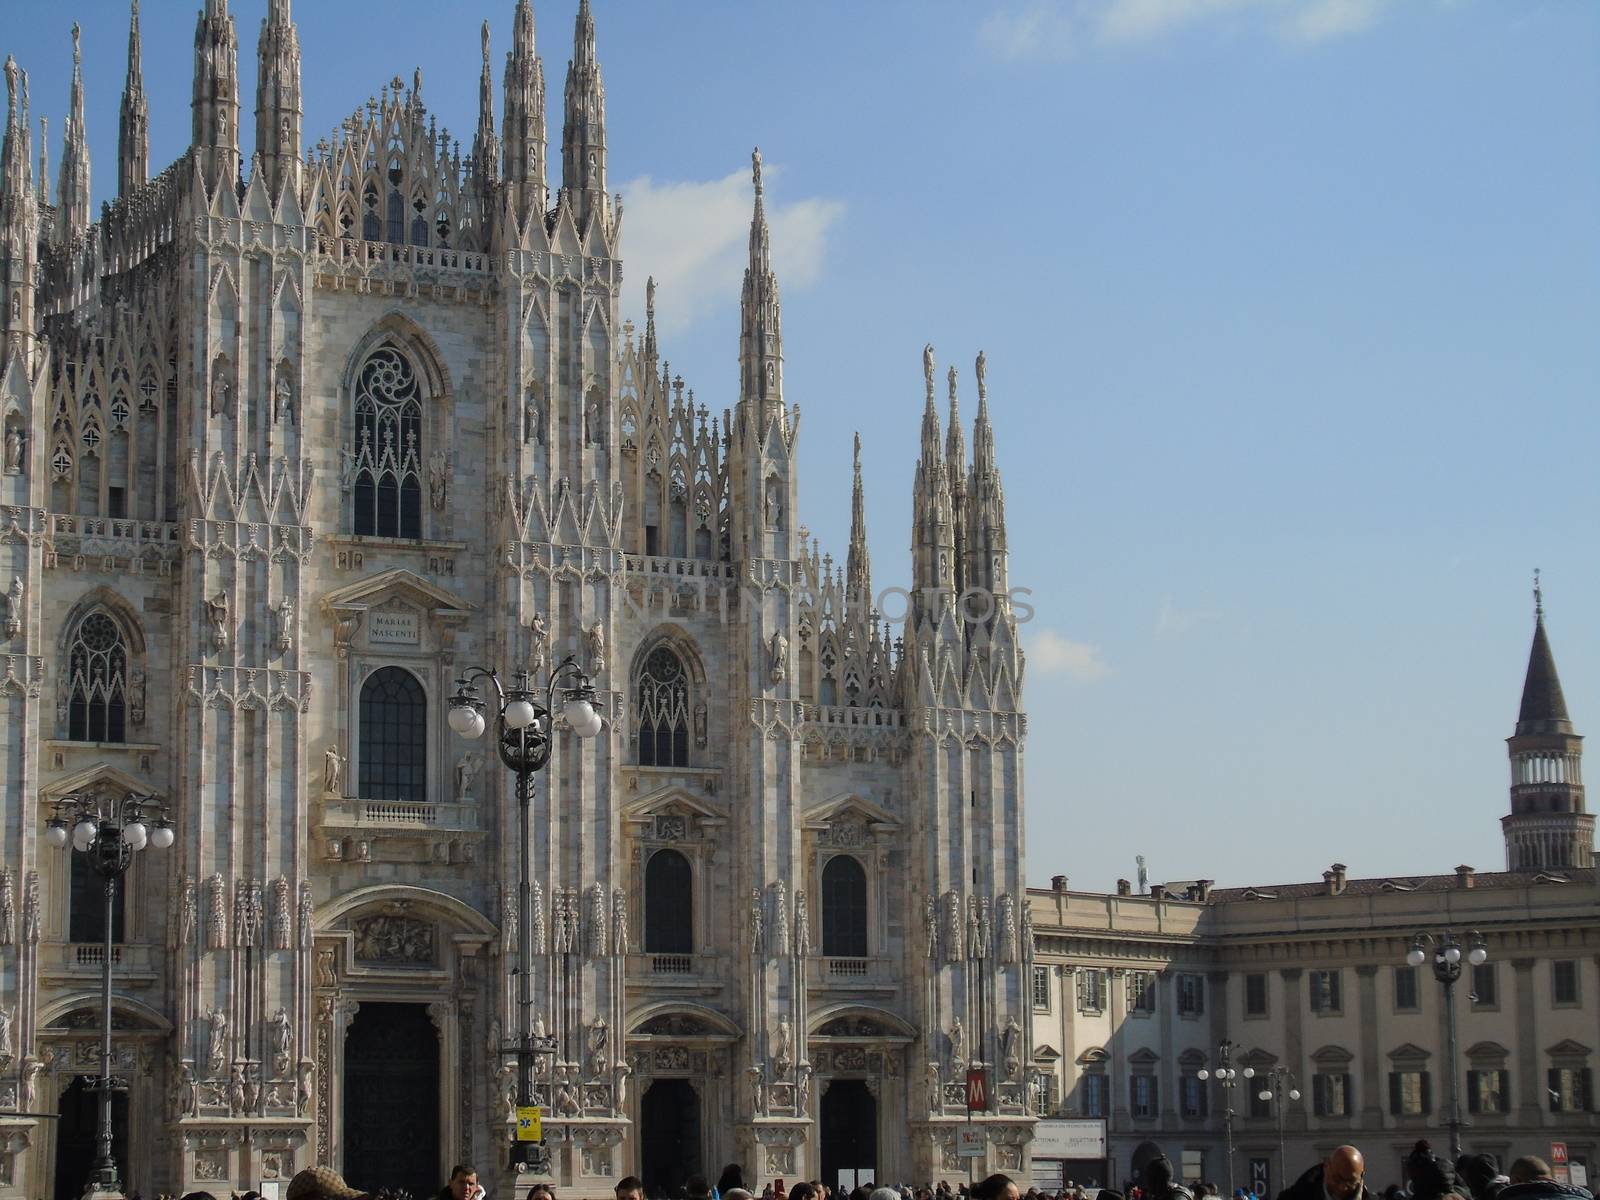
(391, 1100)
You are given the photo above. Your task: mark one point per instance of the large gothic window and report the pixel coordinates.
(668, 904)
(394, 737)
(388, 449)
(844, 908)
(97, 665)
(662, 715)
(86, 905)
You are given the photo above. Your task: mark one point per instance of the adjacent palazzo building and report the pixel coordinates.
(1133, 996)
(294, 433)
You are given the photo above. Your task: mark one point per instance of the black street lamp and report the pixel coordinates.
(524, 731)
(1447, 953)
(1228, 1077)
(109, 831)
(1278, 1087)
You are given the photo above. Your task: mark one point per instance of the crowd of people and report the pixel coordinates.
(1340, 1176)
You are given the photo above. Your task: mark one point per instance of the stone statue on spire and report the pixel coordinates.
(755, 167)
(927, 369)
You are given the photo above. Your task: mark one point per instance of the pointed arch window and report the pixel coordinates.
(668, 904)
(388, 447)
(394, 737)
(662, 710)
(844, 908)
(97, 681)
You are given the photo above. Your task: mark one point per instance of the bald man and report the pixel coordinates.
(1340, 1176)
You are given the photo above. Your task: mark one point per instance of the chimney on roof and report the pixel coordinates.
(1201, 890)
(1058, 883)
(1334, 878)
(1158, 891)
(1466, 877)
(1124, 888)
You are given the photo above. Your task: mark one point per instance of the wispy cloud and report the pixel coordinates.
(693, 236)
(1053, 654)
(1056, 29)
(1173, 621)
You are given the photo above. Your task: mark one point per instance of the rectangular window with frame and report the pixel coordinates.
(1487, 1091)
(1191, 995)
(1096, 1095)
(1564, 982)
(1255, 994)
(1410, 1093)
(1142, 1095)
(1141, 991)
(1091, 990)
(1405, 990)
(1569, 1089)
(1326, 997)
(1484, 991)
(1041, 989)
(1195, 1098)
(1330, 1094)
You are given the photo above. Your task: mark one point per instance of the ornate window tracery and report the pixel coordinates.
(661, 711)
(97, 665)
(388, 447)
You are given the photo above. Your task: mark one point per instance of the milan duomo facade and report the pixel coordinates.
(292, 439)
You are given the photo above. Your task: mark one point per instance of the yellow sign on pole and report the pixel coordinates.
(530, 1123)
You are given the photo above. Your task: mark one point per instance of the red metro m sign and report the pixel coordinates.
(977, 1089)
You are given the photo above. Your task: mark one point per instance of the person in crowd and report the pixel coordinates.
(463, 1184)
(1430, 1177)
(1340, 1176)
(1481, 1176)
(803, 1191)
(1158, 1175)
(732, 1177)
(319, 1183)
(1531, 1179)
(541, 1191)
(630, 1187)
(697, 1188)
(996, 1187)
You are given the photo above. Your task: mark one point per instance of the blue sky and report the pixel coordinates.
(1290, 311)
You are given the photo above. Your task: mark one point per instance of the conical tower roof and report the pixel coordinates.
(1544, 708)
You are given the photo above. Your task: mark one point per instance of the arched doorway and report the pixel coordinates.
(391, 1099)
(669, 1142)
(1143, 1155)
(849, 1131)
(78, 1135)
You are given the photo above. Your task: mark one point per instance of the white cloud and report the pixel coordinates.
(1172, 621)
(694, 237)
(1056, 29)
(1053, 654)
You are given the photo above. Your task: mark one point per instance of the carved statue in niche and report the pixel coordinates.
(935, 1089)
(347, 470)
(619, 922)
(783, 1051)
(958, 1042)
(930, 926)
(6, 1020)
(221, 389)
(283, 400)
(533, 416)
(758, 1093)
(16, 606)
(700, 723)
(438, 479)
(217, 614)
(1011, 1047)
(774, 505)
(8, 909)
(188, 912)
(466, 772)
(593, 417)
(538, 646)
(777, 656)
(597, 648)
(284, 619)
(282, 1042)
(185, 1097)
(332, 768)
(302, 1090)
(974, 933)
(238, 1101)
(757, 920)
(802, 926)
(217, 1042)
(802, 1091)
(599, 1038)
(136, 690)
(14, 441)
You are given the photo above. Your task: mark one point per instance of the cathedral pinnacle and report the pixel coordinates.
(485, 146)
(523, 139)
(761, 324)
(133, 135)
(858, 564)
(955, 456)
(583, 134)
(72, 186)
(14, 155)
(650, 322)
(215, 101)
(278, 96)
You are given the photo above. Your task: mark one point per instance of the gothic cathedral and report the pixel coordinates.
(291, 442)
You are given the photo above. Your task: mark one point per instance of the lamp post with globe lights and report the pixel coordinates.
(1228, 1076)
(524, 731)
(1278, 1088)
(1448, 951)
(108, 831)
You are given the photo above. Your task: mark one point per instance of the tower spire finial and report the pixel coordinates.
(486, 146)
(760, 315)
(583, 134)
(1538, 597)
(133, 134)
(73, 187)
(858, 565)
(755, 170)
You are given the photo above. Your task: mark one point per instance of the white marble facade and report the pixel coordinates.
(281, 462)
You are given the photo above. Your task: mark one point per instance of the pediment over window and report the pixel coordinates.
(1408, 1052)
(1047, 1054)
(392, 610)
(1567, 1048)
(849, 821)
(1192, 1059)
(81, 1014)
(1259, 1059)
(1144, 1057)
(855, 1021)
(101, 778)
(1332, 1056)
(1487, 1050)
(672, 814)
(1092, 1056)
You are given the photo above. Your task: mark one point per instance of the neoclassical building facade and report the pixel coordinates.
(293, 436)
(1134, 994)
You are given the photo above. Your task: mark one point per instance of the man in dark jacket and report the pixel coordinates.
(1531, 1180)
(1158, 1183)
(1340, 1176)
